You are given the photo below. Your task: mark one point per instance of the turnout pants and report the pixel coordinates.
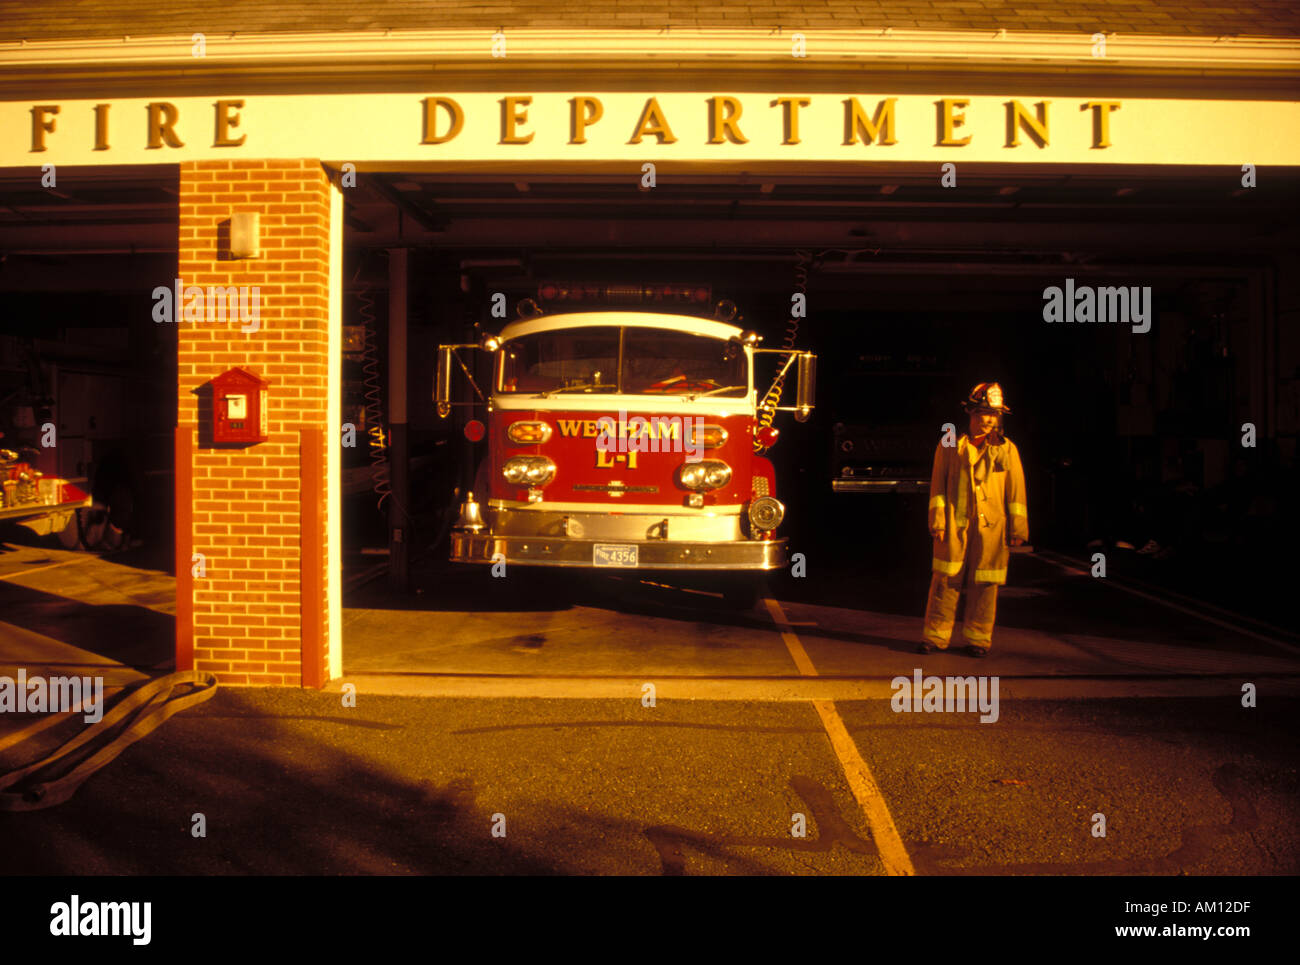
(941, 607)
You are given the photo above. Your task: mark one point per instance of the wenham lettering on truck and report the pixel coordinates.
(657, 427)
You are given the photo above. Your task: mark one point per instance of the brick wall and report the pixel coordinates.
(245, 504)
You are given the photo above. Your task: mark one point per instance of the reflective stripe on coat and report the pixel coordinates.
(976, 492)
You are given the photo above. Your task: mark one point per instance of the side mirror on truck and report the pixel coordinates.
(442, 387)
(805, 386)
(805, 366)
(442, 384)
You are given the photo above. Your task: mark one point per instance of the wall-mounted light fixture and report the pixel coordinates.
(245, 235)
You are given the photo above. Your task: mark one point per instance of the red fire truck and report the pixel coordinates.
(624, 440)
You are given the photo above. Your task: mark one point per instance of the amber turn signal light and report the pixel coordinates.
(709, 437)
(528, 433)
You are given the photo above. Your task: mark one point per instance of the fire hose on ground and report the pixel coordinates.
(56, 776)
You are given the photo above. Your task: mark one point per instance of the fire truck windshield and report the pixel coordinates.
(631, 360)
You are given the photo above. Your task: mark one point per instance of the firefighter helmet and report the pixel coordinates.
(987, 396)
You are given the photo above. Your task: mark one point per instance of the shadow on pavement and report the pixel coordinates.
(275, 800)
(136, 636)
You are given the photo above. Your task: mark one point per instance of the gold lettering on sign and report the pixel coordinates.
(162, 118)
(948, 120)
(1035, 127)
(790, 116)
(226, 119)
(101, 127)
(858, 125)
(610, 460)
(514, 111)
(444, 119)
(454, 111)
(653, 122)
(40, 125)
(583, 111)
(1100, 120)
(724, 117)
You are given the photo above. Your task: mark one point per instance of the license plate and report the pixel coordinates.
(613, 554)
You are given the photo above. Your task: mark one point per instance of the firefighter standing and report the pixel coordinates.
(977, 493)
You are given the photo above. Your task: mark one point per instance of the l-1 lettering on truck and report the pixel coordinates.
(625, 440)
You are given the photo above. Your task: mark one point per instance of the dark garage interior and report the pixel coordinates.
(1131, 440)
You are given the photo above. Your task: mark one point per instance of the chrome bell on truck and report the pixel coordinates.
(471, 518)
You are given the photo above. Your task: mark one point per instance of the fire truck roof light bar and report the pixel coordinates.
(603, 293)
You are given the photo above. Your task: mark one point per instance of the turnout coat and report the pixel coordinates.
(975, 495)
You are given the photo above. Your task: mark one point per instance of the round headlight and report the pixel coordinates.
(528, 470)
(718, 476)
(540, 473)
(766, 513)
(692, 476)
(708, 474)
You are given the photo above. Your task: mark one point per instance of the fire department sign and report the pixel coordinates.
(432, 128)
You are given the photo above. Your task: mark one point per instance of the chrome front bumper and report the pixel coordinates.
(658, 554)
(664, 537)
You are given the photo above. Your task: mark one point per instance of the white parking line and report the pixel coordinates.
(883, 831)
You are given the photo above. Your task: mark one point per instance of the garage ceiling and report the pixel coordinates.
(901, 217)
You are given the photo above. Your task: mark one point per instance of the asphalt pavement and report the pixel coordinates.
(538, 725)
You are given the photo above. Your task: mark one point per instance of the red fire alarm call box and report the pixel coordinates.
(239, 407)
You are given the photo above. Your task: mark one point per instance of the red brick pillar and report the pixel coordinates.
(259, 613)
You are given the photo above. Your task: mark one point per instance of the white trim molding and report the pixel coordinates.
(675, 49)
